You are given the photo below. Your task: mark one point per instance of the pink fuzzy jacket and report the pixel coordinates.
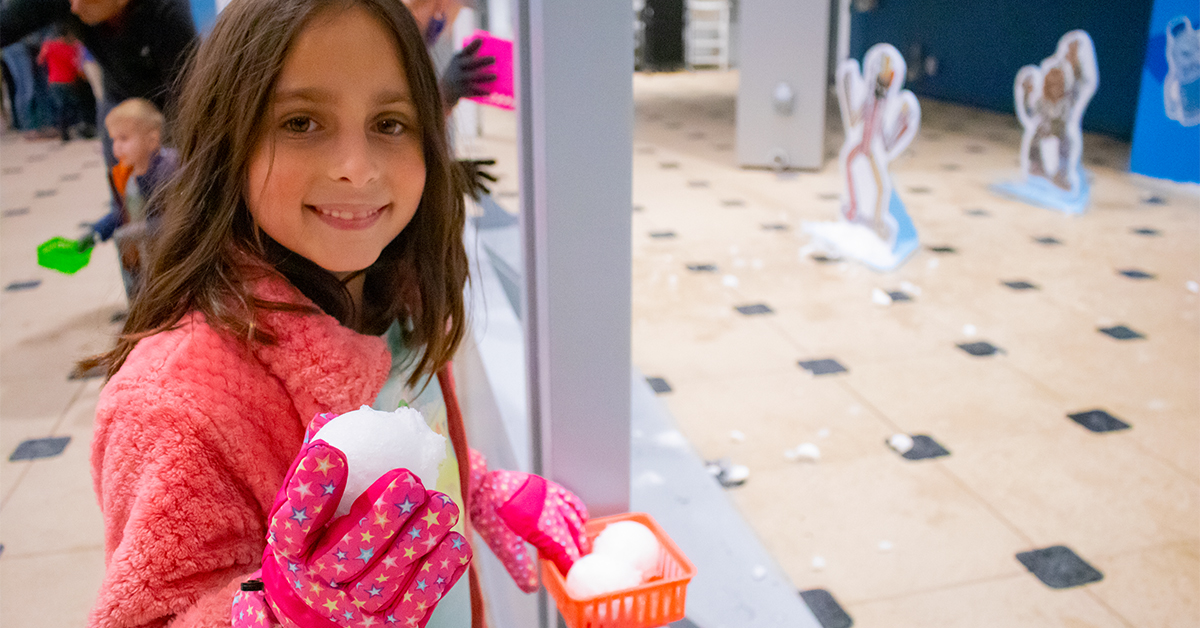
(193, 438)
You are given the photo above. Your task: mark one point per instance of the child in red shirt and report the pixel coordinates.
(61, 56)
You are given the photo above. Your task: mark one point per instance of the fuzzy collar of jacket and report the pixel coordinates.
(325, 366)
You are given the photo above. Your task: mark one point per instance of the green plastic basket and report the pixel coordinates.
(62, 255)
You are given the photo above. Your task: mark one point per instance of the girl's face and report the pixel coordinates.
(339, 169)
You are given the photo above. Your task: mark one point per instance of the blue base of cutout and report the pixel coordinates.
(899, 296)
(659, 385)
(662, 235)
(1048, 240)
(40, 448)
(826, 609)
(1059, 568)
(1147, 231)
(1042, 193)
(924, 447)
(826, 366)
(757, 308)
(1098, 421)
(1121, 332)
(943, 249)
(979, 349)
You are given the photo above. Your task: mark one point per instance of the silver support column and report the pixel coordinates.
(575, 107)
(782, 83)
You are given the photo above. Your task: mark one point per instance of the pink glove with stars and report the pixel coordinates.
(386, 563)
(511, 507)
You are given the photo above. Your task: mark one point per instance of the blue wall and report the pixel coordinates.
(980, 45)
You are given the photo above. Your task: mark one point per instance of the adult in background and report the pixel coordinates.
(141, 45)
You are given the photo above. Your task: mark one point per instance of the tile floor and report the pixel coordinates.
(898, 543)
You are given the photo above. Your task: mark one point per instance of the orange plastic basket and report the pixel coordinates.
(655, 603)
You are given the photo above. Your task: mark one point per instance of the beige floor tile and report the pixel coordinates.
(1015, 602)
(1167, 436)
(939, 534)
(774, 411)
(54, 508)
(723, 345)
(958, 399)
(1095, 493)
(55, 589)
(1157, 587)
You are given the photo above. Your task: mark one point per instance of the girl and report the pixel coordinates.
(311, 261)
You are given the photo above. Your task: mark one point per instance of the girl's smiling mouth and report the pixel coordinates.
(348, 216)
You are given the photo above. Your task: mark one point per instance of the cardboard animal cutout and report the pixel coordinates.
(1181, 89)
(881, 120)
(1050, 101)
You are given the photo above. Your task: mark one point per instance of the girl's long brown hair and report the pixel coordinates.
(203, 259)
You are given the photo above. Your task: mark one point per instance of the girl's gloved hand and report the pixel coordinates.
(390, 560)
(511, 507)
(467, 75)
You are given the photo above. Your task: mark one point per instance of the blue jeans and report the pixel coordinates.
(66, 108)
(20, 65)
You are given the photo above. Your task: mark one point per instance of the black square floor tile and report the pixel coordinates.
(702, 268)
(723, 146)
(698, 184)
(899, 296)
(924, 447)
(1134, 273)
(826, 609)
(1154, 199)
(979, 349)
(697, 135)
(733, 202)
(40, 448)
(829, 196)
(1098, 421)
(659, 385)
(976, 149)
(757, 308)
(507, 194)
(71, 176)
(1048, 240)
(1146, 231)
(823, 259)
(943, 249)
(775, 226)
(920, 189)
(92, 164)
(669, 165)
(35, 158)
(1059, 568)
(23, 285)
(662, 235)
(646, 150)
(639, 208)
(11, 170)
(827, 366)
(1121, 332)
(1020, 285)
(16, 211)
(951, 167)
(44, 193)
(978, 213)
(674, 124)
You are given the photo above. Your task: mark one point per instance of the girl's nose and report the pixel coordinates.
(352, 160)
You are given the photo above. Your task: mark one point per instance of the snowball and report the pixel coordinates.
(632, 543)
(376, 442)
(902, 443)
(598, 574)
(804, 451)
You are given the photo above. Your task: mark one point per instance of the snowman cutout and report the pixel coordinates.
(1181, 89)
(880, 120)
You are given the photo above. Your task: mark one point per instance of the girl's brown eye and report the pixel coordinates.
(391, 127)
(298, 124)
